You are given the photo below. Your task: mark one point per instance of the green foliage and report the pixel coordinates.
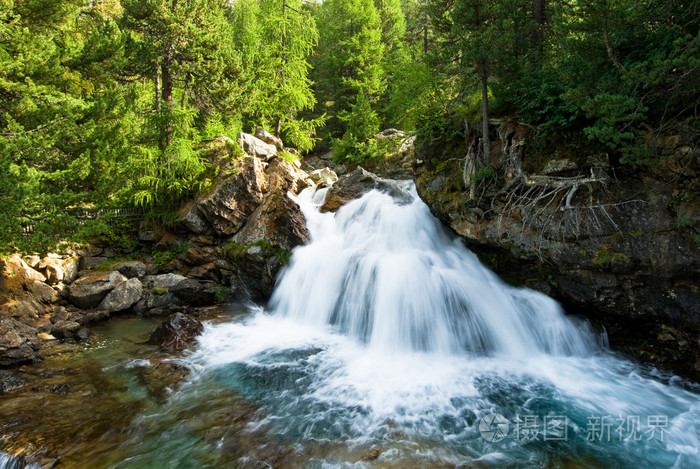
(236, 252)
(348, 59)
(483, 174)
(163, 258)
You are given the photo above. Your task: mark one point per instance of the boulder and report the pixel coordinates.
(20, 268)
(192, 219)
(253, 146)
(194, 293)
(88, 291)
(60, 270)
(268, 138)
(228, 205)
(44, 293)
(65, 329)
(18, 343)
(323, 177)
(175, 332)
(123, 297)
(131, 269)
(353, 185)
(164, 281)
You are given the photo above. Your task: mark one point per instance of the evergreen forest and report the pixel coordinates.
(105, 104)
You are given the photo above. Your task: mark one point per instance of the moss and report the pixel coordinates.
(158, 291)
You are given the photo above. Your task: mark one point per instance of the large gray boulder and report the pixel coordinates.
(88, 291)
(131, 269)
(268, 138)
(253, 146)
(123, 297)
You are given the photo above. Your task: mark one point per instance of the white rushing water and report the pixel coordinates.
(385, 331)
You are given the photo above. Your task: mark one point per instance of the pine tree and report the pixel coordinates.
(349, 58)
(287, 36)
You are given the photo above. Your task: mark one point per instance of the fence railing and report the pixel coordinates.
(129, 214)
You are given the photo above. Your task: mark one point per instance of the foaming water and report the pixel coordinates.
(387, 273)
(384, 332)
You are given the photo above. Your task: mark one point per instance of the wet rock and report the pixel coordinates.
(253, 146)
(175, 332)
(323, 177)
(163, 379)
(60, 389)
(88, 291)
(194, 293)
(131, 269)
(123, 297)
(65, 329)
(353, 185)
(83, 334)
(371, 454)
(10, 381)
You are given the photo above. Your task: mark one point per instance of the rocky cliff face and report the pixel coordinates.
(231, 240)
(617, 245)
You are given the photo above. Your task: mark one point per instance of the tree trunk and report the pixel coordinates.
(156, 94)
(167, 98)
(538, 16)
(486, 141)
(425, 34)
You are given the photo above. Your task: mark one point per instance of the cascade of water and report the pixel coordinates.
(396, 279)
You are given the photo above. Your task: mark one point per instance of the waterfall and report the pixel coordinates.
(385, 333)
(396, 279)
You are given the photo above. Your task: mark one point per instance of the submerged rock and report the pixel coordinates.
(163, 379)
(175, 332)
(10, 381)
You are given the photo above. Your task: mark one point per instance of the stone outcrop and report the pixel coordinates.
(227, 207)
(619, 247)
(253, 146)
(352, 185)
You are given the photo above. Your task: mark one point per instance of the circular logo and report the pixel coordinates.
(493, 427)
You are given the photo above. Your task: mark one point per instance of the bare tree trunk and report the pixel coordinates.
(485, 141)
(167, 98)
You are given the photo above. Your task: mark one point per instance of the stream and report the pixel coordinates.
(385, 344)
